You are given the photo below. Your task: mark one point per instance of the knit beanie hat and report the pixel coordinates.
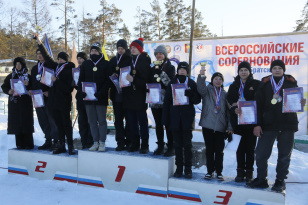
(97, 46)
(183, 65)
(278, 63)
(138, 44)
(21, 60)
(82, 55)
(215, 75)
(122, 43)
(244, 64)
(63, 55)
(161, 49)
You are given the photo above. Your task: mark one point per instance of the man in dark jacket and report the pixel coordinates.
(121, 60)
(83, 124)
(46, 122)
(60, 97)
(272, 124)
(243, 88)
(181, 119)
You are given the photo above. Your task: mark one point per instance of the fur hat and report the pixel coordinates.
(21, 60)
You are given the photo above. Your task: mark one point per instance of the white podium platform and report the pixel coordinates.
(43, 164)
(124, 171)
(228, 192)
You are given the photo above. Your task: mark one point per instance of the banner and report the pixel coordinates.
(224, 54)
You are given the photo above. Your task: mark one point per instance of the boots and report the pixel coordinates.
(134, 146)
(46, 145)
(94, 146)
(144, 146)
(60, 148)
(178, 172)
(102, 146)
(240, 175)
(249, 175)
(258, 183)
(279, 186)
(160, 149)
(188, 172)
(71, 150)
(170, 151)
(120, 147)
(54, 145)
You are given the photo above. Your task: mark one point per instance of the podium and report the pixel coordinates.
(42, 164)
(213, 191)
(123, 171)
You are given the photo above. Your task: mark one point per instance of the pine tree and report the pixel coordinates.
(156, 19)
(302, 24)
(124, 33)
(142, 28)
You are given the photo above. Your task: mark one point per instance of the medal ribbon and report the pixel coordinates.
(241, 90)
(186, 81)
(59, 70)
(40, 68)
(134, 63)
(277, 88)
(163, 65)
(217, 95)
(97, 61)
(118, 61)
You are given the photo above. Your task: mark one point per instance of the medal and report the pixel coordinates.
(95, 69)
(218, 107)
(276, 96)
(156, 76)
(273, 101)
(118, 61)
(134, 64)
(134, 72)
(158, 80)
(279, 99)
(59, 70)
(38, 77)
(241, 91)
(117, 68)
(215, 110)
(217, 104)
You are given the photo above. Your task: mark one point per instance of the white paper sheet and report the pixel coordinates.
(76, 77)
(154, 95)
(19, 88)
(90, 92)
(48, 78)
(248, 114)
(38, 99)
(293, 101)
(123, 78)
(180, 95)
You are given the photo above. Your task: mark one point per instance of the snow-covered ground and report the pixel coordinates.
(15, 189)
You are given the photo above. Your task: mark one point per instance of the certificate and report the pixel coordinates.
(19, 87)
(154, 94)
(90, 89)
(178, 94)
(115, 80)
(123, 73)
(292, 100)
(76, 73)
(248, 112)
(37, 98)
(46, 77)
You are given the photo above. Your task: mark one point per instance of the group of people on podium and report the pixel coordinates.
(219, 115)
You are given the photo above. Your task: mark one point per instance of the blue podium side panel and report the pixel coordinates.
(123, 171)
(228, 192)
(43, 165)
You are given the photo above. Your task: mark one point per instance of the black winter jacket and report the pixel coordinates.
(20, 110)
(270, 117)
(180, 116)
(250, 89)
(134, 96)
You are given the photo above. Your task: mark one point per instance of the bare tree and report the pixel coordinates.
(13, 14)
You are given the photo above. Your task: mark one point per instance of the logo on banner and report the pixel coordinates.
(168, 48)
(199, 47)
(187, 47)
(177, 48)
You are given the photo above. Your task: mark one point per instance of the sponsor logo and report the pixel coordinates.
(177, 48)
(168, 48)
(199, 47)
(187, 47)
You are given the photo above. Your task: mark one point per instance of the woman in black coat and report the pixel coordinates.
(243, 88)
(181, 119)
(162, 74)
(121, 60)
(20, 108)
(134, 97)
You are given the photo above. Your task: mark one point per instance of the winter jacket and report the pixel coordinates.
(180, 116)
(270, 117)
(59, 95)
(20, 110)
(250, 89)
(134, 96)
(100, 77)
(124, 62)
(209, 119)
(166, 73)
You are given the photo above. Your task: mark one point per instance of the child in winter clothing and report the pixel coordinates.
(272, 124)
(121, 60)
(243, 88)
(214, 121)
(180, 120)
(162, 74)
(134, 97)
(20, 110)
